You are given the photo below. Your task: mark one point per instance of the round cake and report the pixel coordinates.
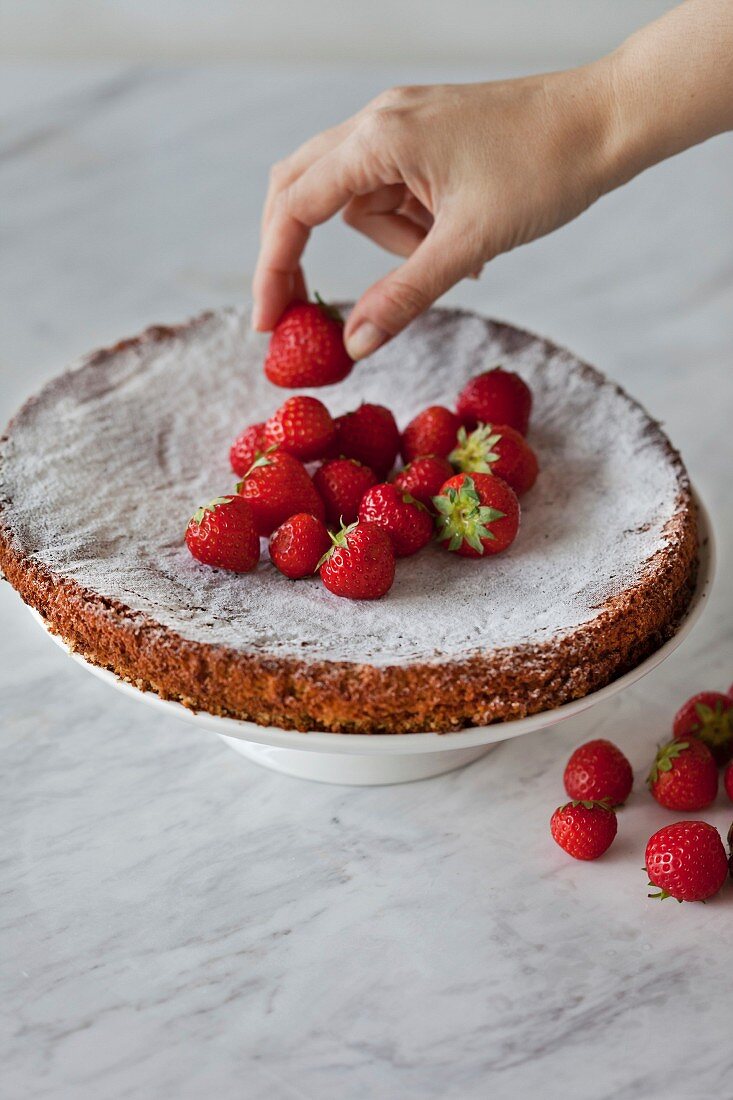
(100, 472)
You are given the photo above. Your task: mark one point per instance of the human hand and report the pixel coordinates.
(447, 176)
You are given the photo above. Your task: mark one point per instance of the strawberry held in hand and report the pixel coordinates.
(298, 545)
(599, 771)
(686, 861)
(369, 434)
(303, 427)
(478, 515)
(307, 347)
(496, 397)
(276, 487)
(223, 535)
(498, 450)
(709, 717)
(684, 776)
(407, 522)
(432, 432)
(341, 483)
(361, 564)
(423, 478)
(585, 830)
(246, 447)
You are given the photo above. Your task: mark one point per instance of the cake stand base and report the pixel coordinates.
(356, 770)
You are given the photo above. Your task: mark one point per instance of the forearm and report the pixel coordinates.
(669, 86)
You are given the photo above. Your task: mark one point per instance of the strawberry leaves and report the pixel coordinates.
(474, 450)
(665, 758)
(463, 518)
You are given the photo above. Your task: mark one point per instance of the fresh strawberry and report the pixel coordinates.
(728, 780)
(303, 427)
(297, 546)
(307, 347)
(684, 776)
(498, 450)
(361, 562)
(423, 478)
(341, 483)
(686, 861)
(599, 771)
(432, 432)
(246, 447)
(369, 434)
(223, 535)
(585, 830)
(276, 487)
(478, 515)
(408, 523)
(709, 717)
(496, 397)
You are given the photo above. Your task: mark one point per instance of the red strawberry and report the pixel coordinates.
(246, 447)
(599, 771)
(424, 477)
(585, 830)
(407, 523)
(369, 434)
(361, 563)
(709, 717)
(223, 535)
(432, 432)
(728, 780)
(341, 484)
(297, 546)
(277, 487)
(303, 427)
(498, 450)
(477, 515)
(496, 397)
(686, 861)
(684, 776)
(307, 347)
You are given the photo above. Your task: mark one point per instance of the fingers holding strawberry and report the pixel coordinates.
(307, 347)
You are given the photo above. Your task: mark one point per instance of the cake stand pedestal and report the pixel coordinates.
(356, 771)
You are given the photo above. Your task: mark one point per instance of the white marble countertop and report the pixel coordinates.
(177, 923)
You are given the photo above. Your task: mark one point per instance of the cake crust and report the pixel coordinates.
(441, 694)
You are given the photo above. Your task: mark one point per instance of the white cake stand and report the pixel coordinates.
(363, 760)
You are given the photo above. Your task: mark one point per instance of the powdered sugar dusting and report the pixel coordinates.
(102, 470)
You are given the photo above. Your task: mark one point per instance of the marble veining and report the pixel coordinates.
(177, 923)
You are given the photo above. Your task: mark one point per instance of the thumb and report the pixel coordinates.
(443, 258)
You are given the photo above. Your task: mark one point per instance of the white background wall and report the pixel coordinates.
(411, 30)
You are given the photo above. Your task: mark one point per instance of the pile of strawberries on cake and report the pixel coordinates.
(349, 517)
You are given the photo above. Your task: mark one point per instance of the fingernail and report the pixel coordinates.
(364, 340)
